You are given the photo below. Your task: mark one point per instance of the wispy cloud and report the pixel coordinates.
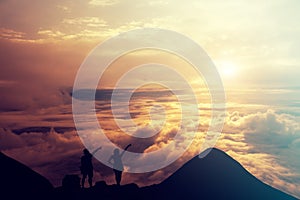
(64, 8)
(86, 21)
(103, 2)
(11, 34)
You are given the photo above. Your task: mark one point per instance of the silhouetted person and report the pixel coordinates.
(86, 167)
(118, 164)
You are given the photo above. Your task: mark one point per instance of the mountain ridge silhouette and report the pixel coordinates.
(216, 176)
(19, 180)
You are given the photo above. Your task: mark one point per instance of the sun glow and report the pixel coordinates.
(227, 69)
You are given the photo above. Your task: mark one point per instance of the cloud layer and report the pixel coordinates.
(265, 142)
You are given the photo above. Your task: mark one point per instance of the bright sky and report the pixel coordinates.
(253, 43)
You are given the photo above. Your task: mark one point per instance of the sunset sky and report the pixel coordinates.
(255, 47)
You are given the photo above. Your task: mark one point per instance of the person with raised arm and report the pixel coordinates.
(86, 167)
(118, 164)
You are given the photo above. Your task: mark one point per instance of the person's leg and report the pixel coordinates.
(90, 178)
(83, 179)
(118, 177)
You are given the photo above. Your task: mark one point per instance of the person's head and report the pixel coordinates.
(116, 152)
(85, 152)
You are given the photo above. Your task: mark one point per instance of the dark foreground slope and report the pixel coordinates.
(216, 176)
(18, 180)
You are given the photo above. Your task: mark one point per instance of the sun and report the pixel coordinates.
(227, 69)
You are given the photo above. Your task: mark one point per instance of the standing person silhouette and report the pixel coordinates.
(86, 167)
(118, 164)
